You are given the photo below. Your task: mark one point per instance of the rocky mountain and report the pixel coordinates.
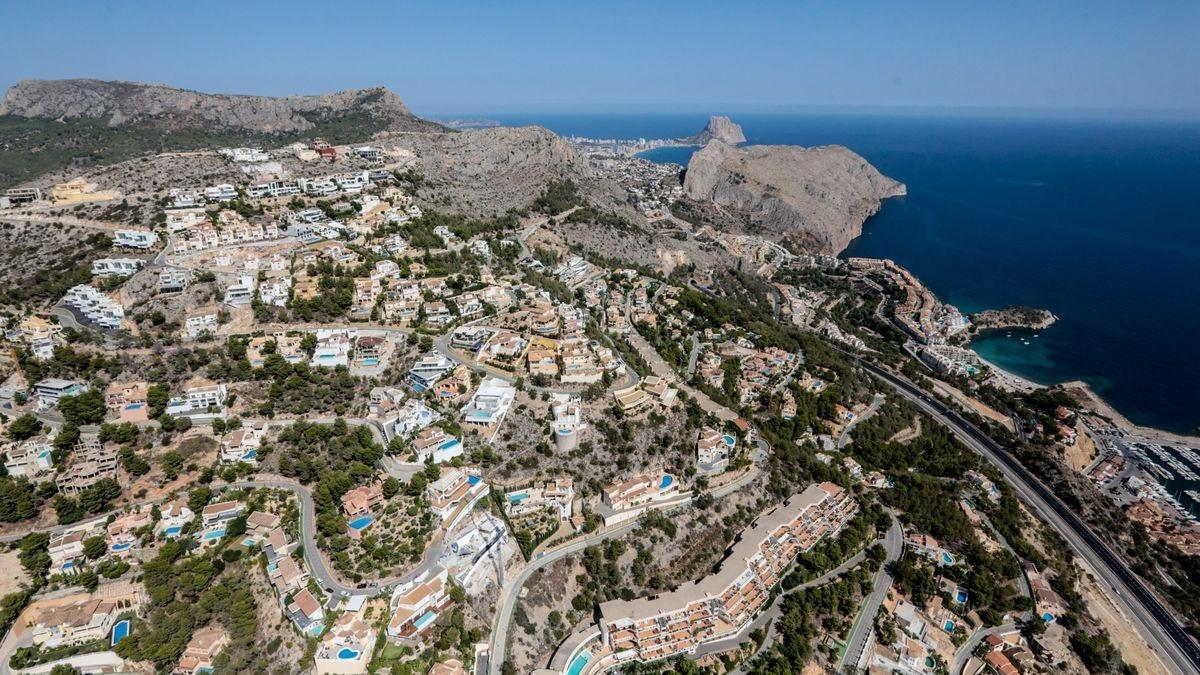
(816, 197)
(719, 128)
(488, 171)
(119, 104)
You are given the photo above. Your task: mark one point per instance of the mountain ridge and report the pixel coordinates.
(121, 103)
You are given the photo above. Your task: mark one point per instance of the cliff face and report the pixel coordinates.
(719, 128)
(817, 197)
(162, 107)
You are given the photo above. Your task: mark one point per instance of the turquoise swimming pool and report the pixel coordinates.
(665, 482)
(729, 440)
(119, 631)
(117, 548)
(473, 480)
(362, 522)
(947, 558)
(960, 596)
(173, 531)
(215, 534)
(517, 497)
(347, 654)
(579, 662)
(448, 443)
(949, 626)
(370, 362)
(426, 619)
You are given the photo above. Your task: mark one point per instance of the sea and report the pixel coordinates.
(1094, 219)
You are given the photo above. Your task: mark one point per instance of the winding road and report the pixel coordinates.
(1156, 624)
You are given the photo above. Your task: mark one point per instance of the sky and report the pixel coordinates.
(666, 55)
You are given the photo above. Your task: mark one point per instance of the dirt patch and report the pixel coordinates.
(12, 575)
(1081, 453)
(1134, 649)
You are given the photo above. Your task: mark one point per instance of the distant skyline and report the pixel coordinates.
(1097, 57)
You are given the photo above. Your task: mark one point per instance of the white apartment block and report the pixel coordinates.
(115, 267)
(140, 239)
(722, 603)
(95, 306)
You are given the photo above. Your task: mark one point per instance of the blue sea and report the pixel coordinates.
(1094, 220)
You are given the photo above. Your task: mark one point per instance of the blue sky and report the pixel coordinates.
(552, 56)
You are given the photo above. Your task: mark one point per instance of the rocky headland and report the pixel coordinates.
(1012, 317)
(719, 128)
(815, 199)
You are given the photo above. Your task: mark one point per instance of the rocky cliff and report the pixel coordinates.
(719, 128)
(488, 171)
(120, 104)
(815, 197)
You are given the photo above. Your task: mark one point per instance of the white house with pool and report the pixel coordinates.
(347, 647)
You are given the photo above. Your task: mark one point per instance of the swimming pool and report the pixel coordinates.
(117, 548)
(579, 663)
(426, 619)
(949, 626)
(517, 497)
(347, 654)
(316, 629)
(370, 362)
(362, 523)
(448, 443)
(173, 531)
(473, 480)
(119, 631)
(947, 558)
(250, 454)
(665, 482)
(215, 534)
(1048, 617)
(729, 440)
(68, 566)
(960, 596)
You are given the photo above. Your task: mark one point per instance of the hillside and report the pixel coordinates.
(47, 125)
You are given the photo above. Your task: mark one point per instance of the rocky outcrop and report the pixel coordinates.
(1013, 317)
(128, 103)
(488, 171)
(719, 128)
(817, 198)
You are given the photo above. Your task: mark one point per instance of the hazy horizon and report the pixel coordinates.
(1120, 59)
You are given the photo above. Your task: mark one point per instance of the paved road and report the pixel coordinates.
(871, 410)
(1157, 625)
(860, 634)
(967, 649)
(316, 563)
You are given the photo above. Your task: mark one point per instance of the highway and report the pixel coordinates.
(1157, 625)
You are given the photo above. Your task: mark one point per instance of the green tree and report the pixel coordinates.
(24, 427)
(94, 547)
(86, 407)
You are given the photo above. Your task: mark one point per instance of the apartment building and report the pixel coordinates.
(426, 372)
(74, 623)
(98, 308)
(455, 488)
(199, 321)
(115, 267)
(433, 444)
(555, 494)
(201, 650)
(415, 605)
(139, 239)
(712, 450)
(721, 604)
(29, 458)
(90, 463)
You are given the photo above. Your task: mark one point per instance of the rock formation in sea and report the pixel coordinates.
(815, 198)
(719, 128)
